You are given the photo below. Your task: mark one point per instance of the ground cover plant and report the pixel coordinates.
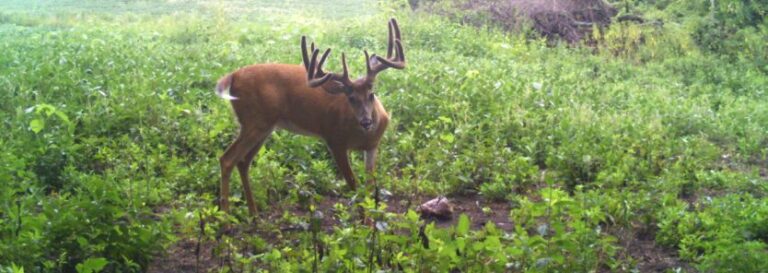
(644, 150)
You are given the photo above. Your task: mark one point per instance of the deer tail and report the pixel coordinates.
(224, 86)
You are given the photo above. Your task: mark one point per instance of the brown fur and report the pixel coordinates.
(270, 96)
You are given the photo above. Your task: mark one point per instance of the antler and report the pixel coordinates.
(315, 74)
(373, 63)
(393, 44)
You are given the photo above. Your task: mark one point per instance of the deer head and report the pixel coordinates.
(359, 92)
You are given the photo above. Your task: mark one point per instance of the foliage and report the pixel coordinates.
(727, 234)
(732, 28)
(111, 132)
(404, 243)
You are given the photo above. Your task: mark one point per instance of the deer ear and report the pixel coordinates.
(373, 61)
(336, 87)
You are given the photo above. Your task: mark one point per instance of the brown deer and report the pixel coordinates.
(309, 101)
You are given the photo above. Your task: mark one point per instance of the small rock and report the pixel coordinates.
(439, 208)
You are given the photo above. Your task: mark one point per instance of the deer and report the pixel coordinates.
(306, 100)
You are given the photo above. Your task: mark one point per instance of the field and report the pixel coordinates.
(645, 150)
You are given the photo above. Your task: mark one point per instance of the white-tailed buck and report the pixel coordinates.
(306, 100)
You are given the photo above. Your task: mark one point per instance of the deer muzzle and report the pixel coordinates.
(367, 124)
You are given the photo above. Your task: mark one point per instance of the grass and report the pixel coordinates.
(111, 136)
(254, 10)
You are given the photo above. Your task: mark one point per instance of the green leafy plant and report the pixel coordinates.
(92, 265)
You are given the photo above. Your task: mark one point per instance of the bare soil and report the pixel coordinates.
(183, 256)
(639, 244)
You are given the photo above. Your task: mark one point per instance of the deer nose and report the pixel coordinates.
(366, 123)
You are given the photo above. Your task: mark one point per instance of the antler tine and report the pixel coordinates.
(389, 41)
(398, 42)
(317, 66)
(320, 71)
(304, 56)
(367, 62)
(312, 46)
(320, 81)
(400, 52)
(312, 65)
(397, 29)
(345, 74)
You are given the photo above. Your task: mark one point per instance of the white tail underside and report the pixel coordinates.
(224, 94)
(223, 88)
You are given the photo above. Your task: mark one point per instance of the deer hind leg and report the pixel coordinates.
(245, 142)
(242, 168)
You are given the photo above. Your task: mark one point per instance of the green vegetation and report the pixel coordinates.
(111, 135)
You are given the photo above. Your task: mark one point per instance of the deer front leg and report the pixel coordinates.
(341, 157)
(370, 164)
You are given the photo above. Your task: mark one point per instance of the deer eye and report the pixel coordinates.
(352, 100)
(371, 96)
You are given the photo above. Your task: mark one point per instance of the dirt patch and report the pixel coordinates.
(479, 210)
(640, 245)
(183, 257)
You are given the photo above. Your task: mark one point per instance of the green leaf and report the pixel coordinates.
(82, 241)
(493, 243)
(63, 117)
(462, 227)
(36, 125)
(91, 265)
(17, 268)
(447, 138)
(461, 243)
